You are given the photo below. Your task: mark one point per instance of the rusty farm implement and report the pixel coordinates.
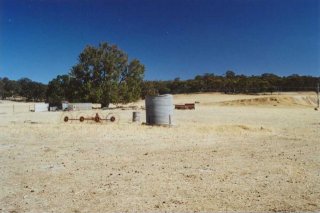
(95, 118)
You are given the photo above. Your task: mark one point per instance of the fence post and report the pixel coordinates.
(318, 94)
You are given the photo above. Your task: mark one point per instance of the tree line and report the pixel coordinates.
(105, 75)
(65, 88)
(232, 83)
(27, 89)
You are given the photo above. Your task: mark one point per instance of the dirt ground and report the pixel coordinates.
(232, 153)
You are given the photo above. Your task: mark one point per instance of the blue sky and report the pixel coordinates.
(41, 39)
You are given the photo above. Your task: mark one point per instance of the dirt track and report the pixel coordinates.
(216, 158)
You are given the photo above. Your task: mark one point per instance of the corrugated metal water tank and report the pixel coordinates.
(159, 109)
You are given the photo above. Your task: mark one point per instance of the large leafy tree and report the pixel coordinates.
(104, 75)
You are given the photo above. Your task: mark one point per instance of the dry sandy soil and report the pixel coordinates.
(233, 153)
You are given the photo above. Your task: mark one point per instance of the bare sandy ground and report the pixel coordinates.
(233, 153)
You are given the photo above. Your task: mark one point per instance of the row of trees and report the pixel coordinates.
(104, 75)
(232, 83)
(76, 89)
(26, 88)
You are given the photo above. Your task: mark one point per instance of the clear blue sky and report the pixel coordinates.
(40, 39)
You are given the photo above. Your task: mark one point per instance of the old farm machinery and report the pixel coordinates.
(68, 117)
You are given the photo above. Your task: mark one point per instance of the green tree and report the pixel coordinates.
(11, 88)
(149, 88)
(58, 89)
(230, 74)
(26, 88)
(130, 85)
(1, 89)
(104, 75)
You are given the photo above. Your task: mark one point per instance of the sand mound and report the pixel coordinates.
(274, 101)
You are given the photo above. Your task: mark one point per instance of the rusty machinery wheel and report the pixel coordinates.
(112, 117)
(96, 117)
(81, 119)
(66, 118)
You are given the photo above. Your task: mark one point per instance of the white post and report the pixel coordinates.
(318, 93)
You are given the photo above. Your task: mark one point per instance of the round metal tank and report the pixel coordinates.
(159, 109)
(136, 116)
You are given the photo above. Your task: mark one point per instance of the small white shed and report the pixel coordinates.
(41, 107)
(80, 106)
